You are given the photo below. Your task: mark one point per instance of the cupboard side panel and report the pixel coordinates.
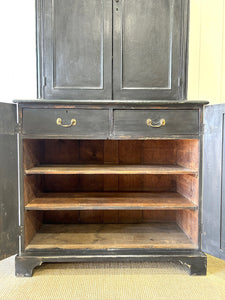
(213, 186)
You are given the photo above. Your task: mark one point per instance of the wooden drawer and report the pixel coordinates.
(154, 123)
(85, 122)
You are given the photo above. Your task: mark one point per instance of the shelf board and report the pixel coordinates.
(111, 236)
(109, 169)
(110, 201)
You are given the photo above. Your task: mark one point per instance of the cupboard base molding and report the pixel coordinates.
(195, 261)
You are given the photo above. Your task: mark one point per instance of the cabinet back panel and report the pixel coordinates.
(109, 183)
(183, 152)
(108, 217)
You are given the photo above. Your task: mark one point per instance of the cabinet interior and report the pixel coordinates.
(97, 194)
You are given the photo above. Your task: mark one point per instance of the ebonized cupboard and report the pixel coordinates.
(113, 173)
(122, 185)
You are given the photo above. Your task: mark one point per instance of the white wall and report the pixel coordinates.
(206, 60)
(207, 51)
(17, 50)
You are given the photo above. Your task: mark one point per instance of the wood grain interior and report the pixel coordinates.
(188, 154)
(109, 201)
(184, 153)
(32, 187)
(108, 169)
(188, 222)
(157, 152)
(95, 236)
(108, 216)
(33, 221)
(188, 186)
(33, 153)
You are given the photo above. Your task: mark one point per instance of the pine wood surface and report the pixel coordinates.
(109, 169)
(157, 154)
(107, 236)
(109, 201)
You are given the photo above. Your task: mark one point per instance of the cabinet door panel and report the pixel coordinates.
(223, 191)
(77, 49)
(147, 52)
(213, 238)
(8, 181)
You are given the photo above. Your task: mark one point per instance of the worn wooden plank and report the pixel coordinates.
(150, 216)
(188, 186)
(188, 222)
(60, 151)
(188, 152)
(32, 223)
(109, 201)
(94, 236)
(110, 169)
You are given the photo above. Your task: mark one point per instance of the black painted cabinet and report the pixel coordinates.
(102, 181)
(112, 49)
(113, 126)
(118, 177)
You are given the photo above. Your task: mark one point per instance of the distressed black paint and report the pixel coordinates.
(213, 182)
(8, 182)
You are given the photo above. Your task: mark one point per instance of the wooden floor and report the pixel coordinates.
(108, 236)
(110, 201)
(110, 169)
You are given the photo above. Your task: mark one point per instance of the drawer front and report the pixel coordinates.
(66, 122)
(154, 123)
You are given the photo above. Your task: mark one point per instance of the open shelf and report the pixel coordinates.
(108, 236)
(110, 201)
(100, 194)
(110, 169)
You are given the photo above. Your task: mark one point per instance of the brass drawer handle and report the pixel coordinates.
(161, 123)
(73, 122)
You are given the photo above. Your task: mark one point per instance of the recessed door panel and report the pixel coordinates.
(147, 56)
(77, 49)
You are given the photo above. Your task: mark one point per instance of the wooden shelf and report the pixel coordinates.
(111, 236)
(110, 201)
(109, 169)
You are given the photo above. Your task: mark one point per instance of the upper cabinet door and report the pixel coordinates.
(149, 49)
(75, 49)
(8, 181)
